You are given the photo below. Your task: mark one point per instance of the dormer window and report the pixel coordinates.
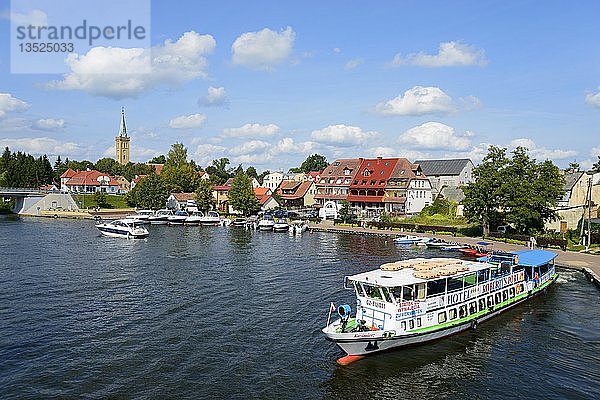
(366, 172)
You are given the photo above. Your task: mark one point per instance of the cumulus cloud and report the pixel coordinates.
(188, 121)
(214, 97)
(288, 146)
(541, 153)
(450, 54)
(593, 99)
(9, 103)
(353, 63)
(35, 17)
(206, 152)
(263, 49)
(418, 100)
(42, 145)
(250, 147)
(434, 135)
(382, 151)
(342, 135)
(118, 72)
(49, 124)
(252, 130)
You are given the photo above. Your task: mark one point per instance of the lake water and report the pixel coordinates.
(216, 312)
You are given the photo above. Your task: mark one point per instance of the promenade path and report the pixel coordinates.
(589, 264)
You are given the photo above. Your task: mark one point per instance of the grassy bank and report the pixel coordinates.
(112, 201)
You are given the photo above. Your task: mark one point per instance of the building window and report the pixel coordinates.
(442, 317)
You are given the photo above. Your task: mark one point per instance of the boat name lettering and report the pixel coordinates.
(500, 283)
(364, 335)
(374, 303)
(408, 306)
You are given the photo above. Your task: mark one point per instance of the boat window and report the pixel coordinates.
(418, 322)
(407, 293)
(455, 284)
(511, 292)
(411, 324)
(490, 301)
(543, 269)
(483, 275)
(505, 268)
(452, 313)
(372, 292)
(421, 291)
(442, 317)
(462, 311)
(481, 304)
(495, 272)
(359, 289)
(498, 298)
(472, 307)
(403, 325)
(386, 294)
(504, 295)
(436, 287)
(470, 280)
(396, 293)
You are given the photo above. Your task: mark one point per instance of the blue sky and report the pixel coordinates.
(266, 83)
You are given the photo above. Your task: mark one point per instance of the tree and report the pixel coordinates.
(251, 172)
(178, 174)
(204, 195)
(150, 192)
(218, 171)
(101, 199)
(315, 162)
(158, 160)
(573, 167)
(262, 175)
(109, 166)
(80, 165)
(345, 211)
(484, 197)
(177, 156)
(596, 166)
(440, 206)
(241, 195)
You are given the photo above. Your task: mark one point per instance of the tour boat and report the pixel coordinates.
(418, 300)
(178, 218)
(160, 216)
(281, 225)
(141, 215)
(407, 239)
(211, 218)
(126, 227)
(266, 223)
(194, 218)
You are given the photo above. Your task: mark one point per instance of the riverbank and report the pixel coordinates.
(589, 264)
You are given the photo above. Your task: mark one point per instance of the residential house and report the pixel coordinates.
(407, 190)
(334, 183)
(314, 176)
(157, 167)
(265, 198)
(124, 184)
(297, 193)
(181, 201)
(90, 181)
(447, 173)
(367, 188)
(136, 180)
(220, 194)
(273, 180)
(571, 207)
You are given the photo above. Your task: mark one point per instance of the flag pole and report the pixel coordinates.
(331, 308)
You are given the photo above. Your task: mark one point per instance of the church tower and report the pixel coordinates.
(122, 142)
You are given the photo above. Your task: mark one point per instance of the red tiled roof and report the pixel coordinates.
(337, 170)
(138, 178)
(222, 188)
(374, 172)
(287, 185)
(399, 200)
(184, 196)
(91, 178)
(69, 173)
(157, 167)
(368, 199)
(300, 191)
(261, 191)
(262, 200)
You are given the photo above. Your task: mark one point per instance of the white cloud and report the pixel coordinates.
(382, 151)
(434, 135)
(49, 124)
(253, 158)
(188, 121)
(593, 99)
(206, 152)
(418, 100)
(252, 130)
(42, 145)
(470, 103)
(288, 146)
(541, 153)
(118, 73)
(9, 103)
(250, 147)
(343, 135)
(35, 17)
(214, 97)
(336, 50)
(353, 63)
(263, 49)
(450, 54)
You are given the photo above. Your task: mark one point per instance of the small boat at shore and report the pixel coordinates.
(141, 215)
(160, 216)
(481, 249)
(194, 218)
(125, 228)
(419, 300)
(407, 239)
(178, 218)
(281, 225)
(237, 222)
(211, 218)
(266, 223)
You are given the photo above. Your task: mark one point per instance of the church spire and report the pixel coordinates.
(123, 128)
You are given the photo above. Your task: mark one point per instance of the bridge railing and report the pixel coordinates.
(22, 190)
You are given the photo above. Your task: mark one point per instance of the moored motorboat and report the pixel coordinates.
(237, 222)
(160, 216)
(178, 218)
(211, 218)
(194, 218)
(141, 215)
(481, 249)
(281, 225)
(126, 227)
(266, 223)
(436, 244)
(297, 227)
(418, 300)
(407, 239)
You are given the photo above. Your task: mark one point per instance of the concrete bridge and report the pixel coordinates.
(34, 201)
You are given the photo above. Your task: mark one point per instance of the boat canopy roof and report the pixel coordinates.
(535, 258)
(415, 271)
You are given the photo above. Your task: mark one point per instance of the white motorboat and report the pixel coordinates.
(211, 218)
(407, 239)
(126, 227)
(266, 223)
(160, 216)
(195, 218)
(178, 218)
(281, 225)
(424, 240)
(298, 227)
(419, 300)
(239, 222)
(141, 215)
